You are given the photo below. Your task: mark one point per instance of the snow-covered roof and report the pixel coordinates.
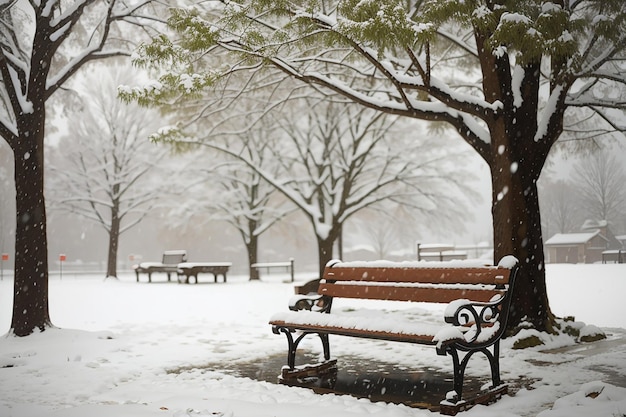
(571, 238)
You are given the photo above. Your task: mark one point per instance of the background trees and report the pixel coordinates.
(333, 160)
(222, 187)
(591, 181)
(601, 183)
(523, 65)
(7, 205)
(101, 166)
(560, 207)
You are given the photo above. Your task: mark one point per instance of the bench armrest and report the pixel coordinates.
(478, 321)
(312, 302)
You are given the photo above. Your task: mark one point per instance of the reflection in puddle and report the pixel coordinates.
(378, 381)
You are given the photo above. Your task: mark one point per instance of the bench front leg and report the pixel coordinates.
(325, 345)
(292, 343)
(459, 364)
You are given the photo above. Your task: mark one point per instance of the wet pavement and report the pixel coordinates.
(424, 388)
(615, 341)
(615, 338)
(366, 378)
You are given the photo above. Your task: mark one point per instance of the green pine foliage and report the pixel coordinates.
(257, 31)
(384, 26)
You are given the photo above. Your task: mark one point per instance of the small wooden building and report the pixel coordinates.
(574, 248)
(585, 246)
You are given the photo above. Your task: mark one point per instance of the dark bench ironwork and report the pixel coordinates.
(478, 298)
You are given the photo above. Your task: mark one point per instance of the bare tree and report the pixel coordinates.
(600, 181)
(105, 167)
(560, 210)
(229, 190)
(382, 231)
(42, 45)
(335, 159)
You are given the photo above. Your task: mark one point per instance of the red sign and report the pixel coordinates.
(62, 257)
(5, 256)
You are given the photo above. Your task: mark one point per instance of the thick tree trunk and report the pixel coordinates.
(30, 297)
(114, 239)
(325, 252)
(517, 232)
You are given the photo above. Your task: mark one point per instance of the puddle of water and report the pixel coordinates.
(364, 378)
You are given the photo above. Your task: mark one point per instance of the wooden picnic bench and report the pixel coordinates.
(187, 270)
(478, 298)
(168, 265)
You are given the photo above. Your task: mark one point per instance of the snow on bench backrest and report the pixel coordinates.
(174, 257)
(442, 282)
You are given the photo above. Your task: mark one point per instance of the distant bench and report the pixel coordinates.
(617, 256)
(438, 252)
(287, 266)
(174, 262)
(187, 270)
(168, 265)
(479, 298)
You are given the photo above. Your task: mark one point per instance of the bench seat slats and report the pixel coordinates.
(367, 334)
(400, 293)
(388, 328)
(494, 276)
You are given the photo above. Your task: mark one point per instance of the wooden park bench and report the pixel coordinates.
(478, 298)
(168, 265)
(287, 266)
(187, 270)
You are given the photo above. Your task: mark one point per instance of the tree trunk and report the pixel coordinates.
(340, 244)
(30, 296)
(252, 246)
(114, 238)
(517, 232)
(325, 252)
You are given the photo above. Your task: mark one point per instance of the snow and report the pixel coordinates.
(508, 262)
(184, 265)
(515, 18)
(460, 263)
(571, 238)
(168, 350)
(516, 85)
(548, 112)
(350, 320)
(447, 333)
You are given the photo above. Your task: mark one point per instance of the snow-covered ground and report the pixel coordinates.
(164, 349)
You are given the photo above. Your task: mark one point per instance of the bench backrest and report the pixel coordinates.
(401, 282)
(174, 257)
